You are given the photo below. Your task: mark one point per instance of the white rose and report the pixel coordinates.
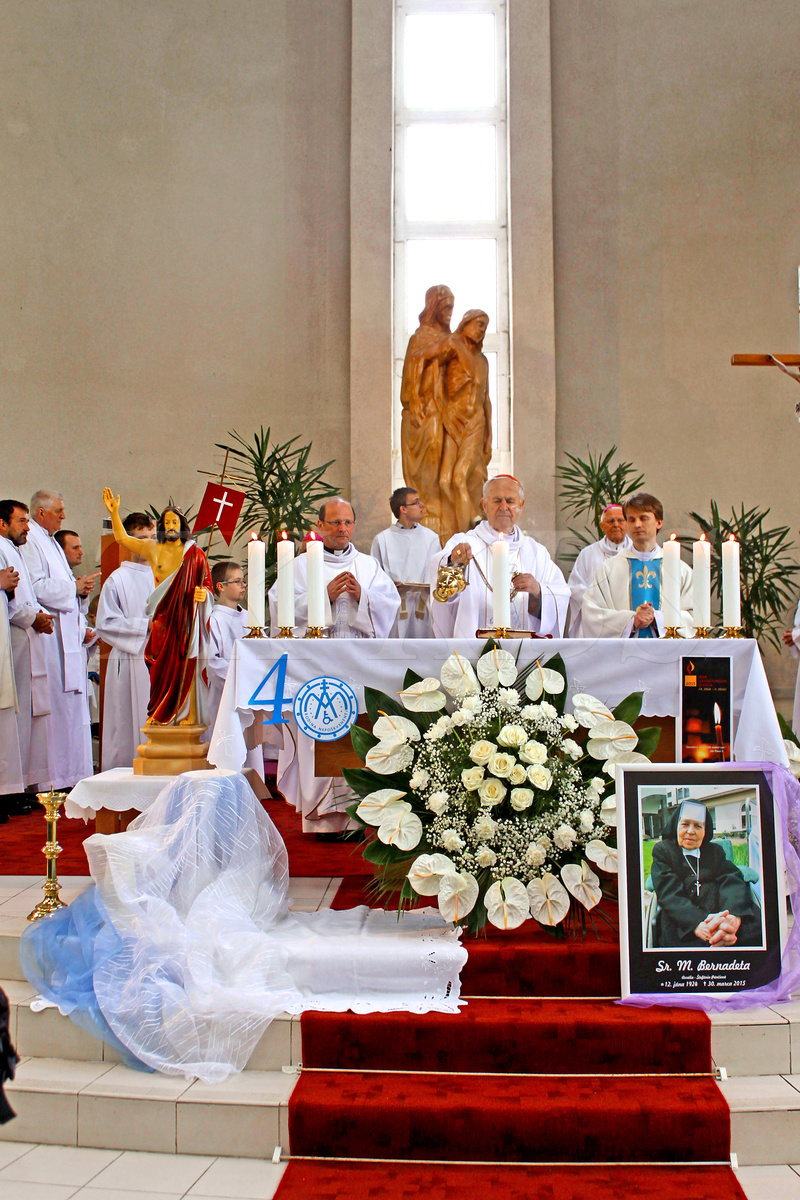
(512, 736)
(533, 752)
(452, 841)
(502, 765)
(540, 777)
(587, 821)
(509, 698)
(521, 798)
(572, 748)
(564, 837)
(438, 803)
(569, 723)
(485, 857)
(481, 752)
(484, 827)
(419, 778)
(492, 792)
(547, 710)
(517, 774)
(535, 855)
(472, 778)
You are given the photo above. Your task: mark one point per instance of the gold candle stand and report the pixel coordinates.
(314, 631)
(702, 631)
(255, 632)
(286, 631)
(50, 802)
(504, 633)
(671, 631)
(733, 631)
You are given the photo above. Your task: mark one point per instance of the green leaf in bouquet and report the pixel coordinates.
(379, 853)
(629, 708)
(377, 702)
(556, 663)
(786, 730)
(411, 677)
(364, 781)
(648, 740)
(362, 740)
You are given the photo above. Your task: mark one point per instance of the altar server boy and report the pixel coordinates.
(228, 623)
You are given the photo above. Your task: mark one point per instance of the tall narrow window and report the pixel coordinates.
(451, 194)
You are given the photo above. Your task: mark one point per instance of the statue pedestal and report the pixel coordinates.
(171, 750)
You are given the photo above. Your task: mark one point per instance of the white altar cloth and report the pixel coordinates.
(117, 790)
(609, 668)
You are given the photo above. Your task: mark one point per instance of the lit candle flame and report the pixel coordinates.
(717, 715)
(283, 534)
(702, 537)
(253, 537)
(673, 537)
(731, 538)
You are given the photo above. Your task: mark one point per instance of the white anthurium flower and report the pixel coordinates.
(400, 827)
(425, 873)
(793, 754)
(582, 882)
(389, 757)
(496, 668)
(608, 810)
(629, 759)
(548, 899)
(589, 710)
(395, 729)
(543, 679)
(507, 903)
(458, 892)
(603, 856)
(611, 737)
(373, 806)
(458, 677)
(424, 696)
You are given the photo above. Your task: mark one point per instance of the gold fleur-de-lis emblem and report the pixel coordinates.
(646, 577)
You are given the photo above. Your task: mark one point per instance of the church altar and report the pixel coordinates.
(607, 667)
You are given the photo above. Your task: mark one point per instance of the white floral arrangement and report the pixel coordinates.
(497, 807)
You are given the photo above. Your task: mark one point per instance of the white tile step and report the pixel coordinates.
(109, 1106)
(765, 1118)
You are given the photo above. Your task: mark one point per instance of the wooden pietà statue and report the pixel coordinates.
(179, 607)
(446, 428)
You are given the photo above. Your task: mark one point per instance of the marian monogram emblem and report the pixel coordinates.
(325, 708)
(646, 578)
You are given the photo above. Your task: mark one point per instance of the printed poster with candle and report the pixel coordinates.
(706, 720)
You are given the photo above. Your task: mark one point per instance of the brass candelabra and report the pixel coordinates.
(51, 802)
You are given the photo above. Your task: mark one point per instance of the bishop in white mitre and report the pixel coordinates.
(361, 601)
(541, 595)
(123, 624)
(30, 627)
(624, 599)
(58, 591)
(404, 551)
(615, 538)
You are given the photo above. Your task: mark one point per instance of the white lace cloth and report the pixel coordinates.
(208, 952)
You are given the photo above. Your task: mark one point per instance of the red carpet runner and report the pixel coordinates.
(512, 1079)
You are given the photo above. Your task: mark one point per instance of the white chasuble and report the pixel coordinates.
(10, 760)
(122, 623)
(405, 555)
(30, 672)
(583, 572)
(473, 608)
(68, 731)
(322, 800)
(607, 610)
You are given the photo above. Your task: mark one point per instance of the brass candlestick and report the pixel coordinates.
(50, 802)
(672, 632)
(286, 631)
(733, 631)
(314, 631)
(702, 631)
(255, 632)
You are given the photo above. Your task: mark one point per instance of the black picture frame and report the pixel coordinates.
(659, 958)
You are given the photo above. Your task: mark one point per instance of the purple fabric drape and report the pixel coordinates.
(786, 794)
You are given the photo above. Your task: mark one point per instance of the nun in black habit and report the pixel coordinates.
(694, 883)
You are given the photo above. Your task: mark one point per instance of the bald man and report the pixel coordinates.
(615, 538)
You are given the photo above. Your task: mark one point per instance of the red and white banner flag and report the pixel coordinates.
(221, 507)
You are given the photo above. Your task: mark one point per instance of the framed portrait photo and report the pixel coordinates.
(701, 893)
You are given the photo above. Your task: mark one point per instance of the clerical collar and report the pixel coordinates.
(614, 547)
(514, 536)
(645, 555)
(339, 553)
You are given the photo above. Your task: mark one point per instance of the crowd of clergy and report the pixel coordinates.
(46, 632)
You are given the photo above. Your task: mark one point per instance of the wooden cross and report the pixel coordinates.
(784, 361)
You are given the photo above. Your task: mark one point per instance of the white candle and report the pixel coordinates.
(315, 582)
(671, 582)
(701, 582)
(501, 585)
(731, 585)
(256, 583)
(285, 582)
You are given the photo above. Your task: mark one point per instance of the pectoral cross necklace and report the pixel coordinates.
(695, 871)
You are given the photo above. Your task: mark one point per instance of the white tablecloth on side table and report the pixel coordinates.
(117, 790)
(609, 668)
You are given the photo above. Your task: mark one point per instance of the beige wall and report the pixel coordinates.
(173, 239)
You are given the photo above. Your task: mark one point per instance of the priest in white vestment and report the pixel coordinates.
(615, 538)
(540, 595)
(404, 551)
(30, 627)
(58, 591)
(123, 624)
(361, 601)
(10, 758)
(625, 598)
